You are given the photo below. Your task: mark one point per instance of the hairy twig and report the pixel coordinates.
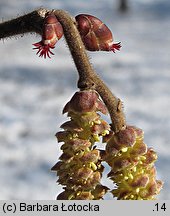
(88, 79)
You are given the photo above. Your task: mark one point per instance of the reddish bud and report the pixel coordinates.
(95, 34)
(52, 32)
(85, 101)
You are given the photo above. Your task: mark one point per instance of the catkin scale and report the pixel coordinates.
(52, 30)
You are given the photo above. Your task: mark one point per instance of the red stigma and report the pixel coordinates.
(43, 50)
(116, 46)
(52, 31)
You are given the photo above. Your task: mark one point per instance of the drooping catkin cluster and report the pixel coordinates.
(132, 166)
(79, 169)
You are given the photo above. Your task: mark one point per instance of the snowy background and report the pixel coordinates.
(33, 91)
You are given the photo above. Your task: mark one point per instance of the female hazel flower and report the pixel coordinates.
(95, 34)
(52, 32)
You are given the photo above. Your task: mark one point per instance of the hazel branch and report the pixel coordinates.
(88, 79)
(31, 22)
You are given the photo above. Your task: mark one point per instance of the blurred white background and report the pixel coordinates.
(33, 91)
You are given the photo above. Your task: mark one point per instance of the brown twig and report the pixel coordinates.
(88, 79)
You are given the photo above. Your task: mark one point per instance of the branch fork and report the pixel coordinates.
(88, 79)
